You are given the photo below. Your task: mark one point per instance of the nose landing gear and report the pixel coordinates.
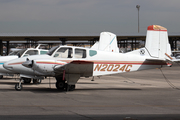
(18, 86)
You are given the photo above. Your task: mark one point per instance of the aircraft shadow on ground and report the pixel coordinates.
(86, 83)
(8, 83)
(7, 79)
(54, 90)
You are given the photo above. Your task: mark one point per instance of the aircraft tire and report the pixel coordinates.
(27, 80)
(72, 87)
(1, 76)
(60, 85)
(17, 87)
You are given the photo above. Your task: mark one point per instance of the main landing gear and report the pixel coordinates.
(61, 85)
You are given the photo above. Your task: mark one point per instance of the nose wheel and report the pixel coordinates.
(18, 86)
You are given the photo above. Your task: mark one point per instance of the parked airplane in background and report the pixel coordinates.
(19, 53)
(67, 64)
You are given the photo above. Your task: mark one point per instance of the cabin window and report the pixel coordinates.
(80, 53)
(31, 52)
(64, 53)
(92, 52)
(43, 52)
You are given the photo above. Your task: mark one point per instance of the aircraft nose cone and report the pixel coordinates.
(7, 66)
(28, 64)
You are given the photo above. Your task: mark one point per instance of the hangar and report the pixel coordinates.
(123, 40)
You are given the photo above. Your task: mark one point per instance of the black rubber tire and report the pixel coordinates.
(72, 88)
(60, 85)
(27, 80)
(17, 87)
(1, 76)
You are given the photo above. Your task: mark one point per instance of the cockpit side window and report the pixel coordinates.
(64, 53)
(80, 53)
(31, 52)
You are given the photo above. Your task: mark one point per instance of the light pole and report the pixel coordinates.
(138, 6)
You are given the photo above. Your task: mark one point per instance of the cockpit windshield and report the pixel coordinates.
(51, 51)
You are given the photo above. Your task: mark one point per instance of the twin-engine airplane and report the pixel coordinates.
(67, 64)
(19, 54)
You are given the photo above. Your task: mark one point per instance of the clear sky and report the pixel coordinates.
(87, 16)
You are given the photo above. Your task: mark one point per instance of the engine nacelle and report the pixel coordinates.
(45, 67)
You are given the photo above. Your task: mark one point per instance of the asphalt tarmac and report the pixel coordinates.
(143, 95)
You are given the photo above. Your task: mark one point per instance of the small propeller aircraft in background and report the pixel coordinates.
(19, 54)
(67, 64)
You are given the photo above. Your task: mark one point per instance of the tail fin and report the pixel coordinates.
(157, 42)
(107, 42)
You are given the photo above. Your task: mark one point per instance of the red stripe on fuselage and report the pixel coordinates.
(15, 63)
(101, 62)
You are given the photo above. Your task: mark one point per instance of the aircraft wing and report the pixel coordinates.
(83, 68)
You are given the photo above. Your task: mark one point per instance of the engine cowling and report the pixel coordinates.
(43, 67)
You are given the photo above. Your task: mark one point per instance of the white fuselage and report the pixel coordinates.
(104, 63)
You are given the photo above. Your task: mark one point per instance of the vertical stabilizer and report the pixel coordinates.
(107, 42)
(157, 42)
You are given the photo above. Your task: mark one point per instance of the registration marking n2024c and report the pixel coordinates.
(113, 67)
